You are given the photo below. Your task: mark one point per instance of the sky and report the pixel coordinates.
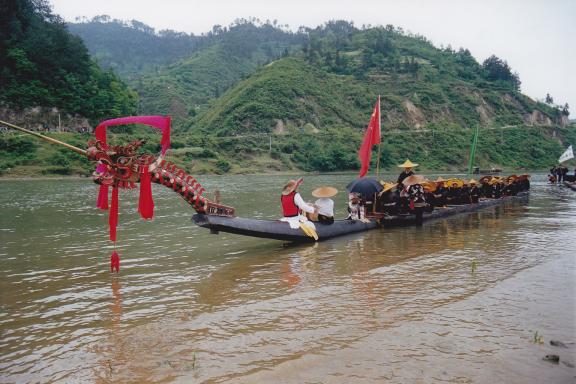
(535, 37)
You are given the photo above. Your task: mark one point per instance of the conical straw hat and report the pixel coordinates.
(472, 181)
(324, 191)
(408, 164)
(414, 179)
(291, 186)
(440, 179)
(387, 187)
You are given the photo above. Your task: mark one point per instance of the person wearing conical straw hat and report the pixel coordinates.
(325, 204)
(407, 165)
(474, 191)
(293, 205)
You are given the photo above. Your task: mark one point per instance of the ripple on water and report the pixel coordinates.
(444, 302)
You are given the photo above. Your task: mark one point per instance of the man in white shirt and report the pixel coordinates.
(324, 204)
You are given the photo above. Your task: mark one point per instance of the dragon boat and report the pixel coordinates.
(279, 230)
(123, 167)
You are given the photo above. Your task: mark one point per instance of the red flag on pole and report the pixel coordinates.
(371, 137)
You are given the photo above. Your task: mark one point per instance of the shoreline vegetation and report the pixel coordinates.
(255, 98)
(517, 150)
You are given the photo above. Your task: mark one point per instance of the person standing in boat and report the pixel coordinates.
(324, 204)
(407, 172)
(407, 165)
(293, 205)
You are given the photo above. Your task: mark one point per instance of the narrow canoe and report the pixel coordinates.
(278, 230)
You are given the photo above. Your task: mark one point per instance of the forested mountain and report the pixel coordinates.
(340, 70)
(227, 55)
(132, 47)
(43, 65)
(253, 96)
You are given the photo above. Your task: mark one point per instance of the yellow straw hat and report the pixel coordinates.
(387, 187)
(291, 186)
(324, 191)
(414, 179)
(472, 181)
(408, 164)
(429, 186)
(454, 183)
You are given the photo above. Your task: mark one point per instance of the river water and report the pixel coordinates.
(471, 299)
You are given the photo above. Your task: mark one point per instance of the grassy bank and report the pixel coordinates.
(441, 149)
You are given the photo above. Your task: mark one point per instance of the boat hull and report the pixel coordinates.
(279, 230)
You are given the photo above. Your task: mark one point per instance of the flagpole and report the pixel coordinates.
(380, 143)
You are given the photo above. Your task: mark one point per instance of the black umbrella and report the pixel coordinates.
(365, 186)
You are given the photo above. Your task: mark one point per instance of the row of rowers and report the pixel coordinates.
(411, 193)
(411, 188)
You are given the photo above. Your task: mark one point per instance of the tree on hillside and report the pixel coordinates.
(549, 99)
(496, 69)
(42, 64)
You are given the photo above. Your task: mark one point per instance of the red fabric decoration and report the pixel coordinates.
(371, 137)
(115, 262)
(102, 201)
(411, 205)
(113, 215)
(145, 203)
(160, 122)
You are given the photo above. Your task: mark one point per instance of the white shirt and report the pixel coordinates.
(325, 206)
(299, 201)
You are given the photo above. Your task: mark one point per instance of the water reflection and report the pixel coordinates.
(189, 306)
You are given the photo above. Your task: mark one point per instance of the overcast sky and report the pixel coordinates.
(536, 37)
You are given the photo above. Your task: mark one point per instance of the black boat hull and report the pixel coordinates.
(279, 230)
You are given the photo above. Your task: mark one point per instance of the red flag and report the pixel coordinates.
(371, 137)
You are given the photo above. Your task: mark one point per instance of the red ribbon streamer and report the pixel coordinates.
(113, 215)
(102, 201)
(145, 203)
(115, 262)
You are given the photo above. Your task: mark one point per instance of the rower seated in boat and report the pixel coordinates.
(293, 205)
(355, 207)
(474, 191)
(324, 204)
(388, 199)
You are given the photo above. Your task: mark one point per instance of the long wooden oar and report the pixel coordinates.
(54, 141)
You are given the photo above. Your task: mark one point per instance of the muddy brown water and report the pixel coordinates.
(471, 299)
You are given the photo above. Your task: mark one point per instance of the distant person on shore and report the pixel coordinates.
(324, 204)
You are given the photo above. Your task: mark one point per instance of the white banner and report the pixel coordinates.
(566, 155)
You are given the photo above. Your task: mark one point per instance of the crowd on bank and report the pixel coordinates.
(411, 194)
(558, 174)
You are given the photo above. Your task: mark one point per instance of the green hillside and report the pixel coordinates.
(132, 47)
(185, 87)
(43, 65)
(334, 84)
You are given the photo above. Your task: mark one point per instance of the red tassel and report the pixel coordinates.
(411, 205)
(146, 203)
(113, 215)
(102, 201)
(115, 262)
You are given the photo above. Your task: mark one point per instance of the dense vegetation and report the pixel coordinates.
(254, 97)
(42, 64)
(130, 48)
